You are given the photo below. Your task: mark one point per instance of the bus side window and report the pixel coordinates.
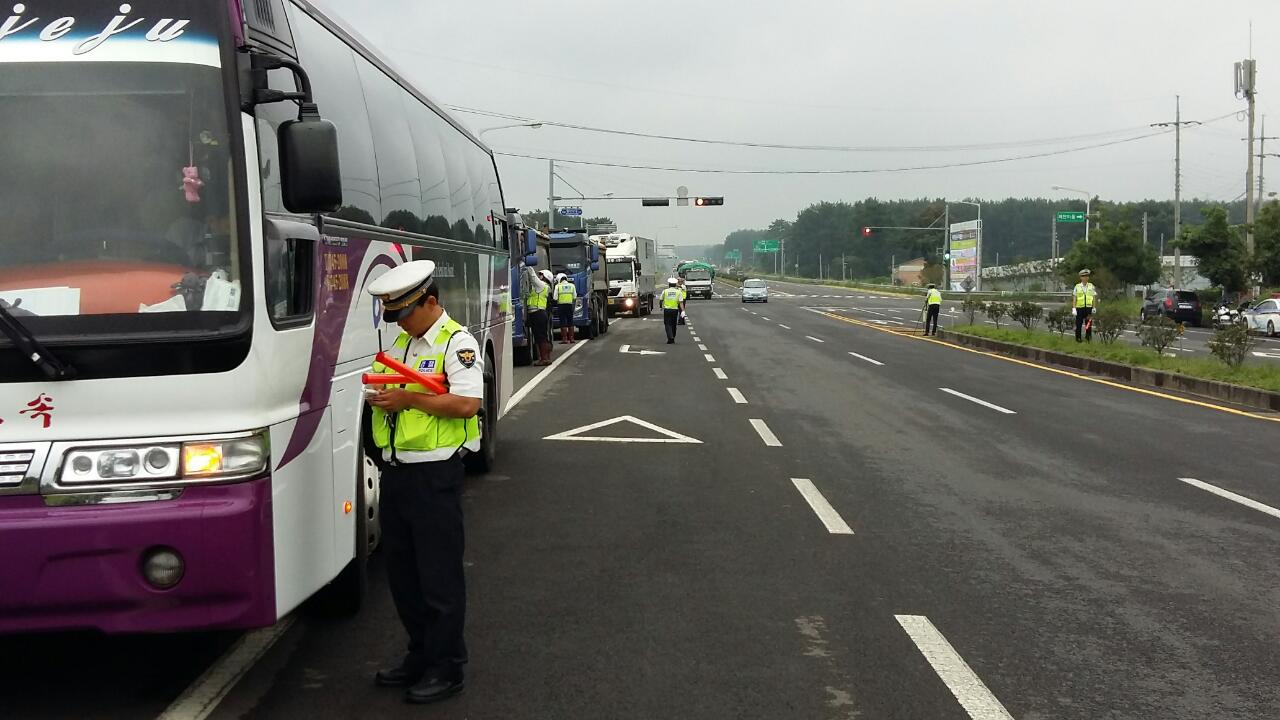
(290, 275)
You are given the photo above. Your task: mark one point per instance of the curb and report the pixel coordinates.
(1217, 390)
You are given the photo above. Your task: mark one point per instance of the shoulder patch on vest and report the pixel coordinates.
(467, 357)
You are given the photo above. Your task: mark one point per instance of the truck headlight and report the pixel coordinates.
(175, 462)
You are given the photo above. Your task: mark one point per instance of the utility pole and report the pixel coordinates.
(1053, 247)
(1177, 124)
(946, 243)
(1246, 77)
(782, 261)
(1262, 159)
(551, 194)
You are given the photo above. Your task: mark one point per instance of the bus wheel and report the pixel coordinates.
(479, 463)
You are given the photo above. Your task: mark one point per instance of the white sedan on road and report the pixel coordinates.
(754, 290)
(1264, 317)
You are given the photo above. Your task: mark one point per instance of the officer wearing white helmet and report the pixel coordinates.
(672, 300)
(566, 294)
(539, 323)
(422, 437)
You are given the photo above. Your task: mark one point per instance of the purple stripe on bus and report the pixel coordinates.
(333, 304)
(80, 567)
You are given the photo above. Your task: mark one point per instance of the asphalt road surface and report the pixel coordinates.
(897, 310)
(840, 521)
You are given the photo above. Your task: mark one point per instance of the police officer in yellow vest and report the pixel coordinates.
(537, 321)
(422, 437)
(1084, 303)
(672, 300)
(933, 306)
(566, 294)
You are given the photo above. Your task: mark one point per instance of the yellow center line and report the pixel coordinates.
(1067, 373)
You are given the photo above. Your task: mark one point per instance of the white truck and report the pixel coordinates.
(632, 264)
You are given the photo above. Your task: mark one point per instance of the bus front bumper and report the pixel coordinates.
(81, 566)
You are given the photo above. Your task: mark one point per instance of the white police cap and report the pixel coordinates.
(673, 281)
(401, 289)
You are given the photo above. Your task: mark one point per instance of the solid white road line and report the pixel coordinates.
(709, 357)
(736, 394)
(864, 357)
(959, 678)
(827, 514)
(817, 340)
(520, 394)
(983, 403)
(1232, 497)
(719, 374)
(200, 699)
(702, 347)
(765, 433)
(784, 327)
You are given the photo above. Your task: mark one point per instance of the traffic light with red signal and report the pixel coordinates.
(705, 201)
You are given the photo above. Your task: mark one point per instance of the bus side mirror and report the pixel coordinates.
(310, 175)
(530, 243)
(531, 261)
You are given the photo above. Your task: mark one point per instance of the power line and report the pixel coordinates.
(1007, 145)
(851, 171)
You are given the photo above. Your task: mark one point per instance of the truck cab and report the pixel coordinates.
(698, 278)
(631, 267)
(582, 260)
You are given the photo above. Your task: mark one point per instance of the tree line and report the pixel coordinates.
(1014, 230)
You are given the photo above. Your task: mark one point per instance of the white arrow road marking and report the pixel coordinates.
(1266, 354)
(670, 436)
(626, 349)
(959, 678)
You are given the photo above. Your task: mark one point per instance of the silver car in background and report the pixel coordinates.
(754, 290)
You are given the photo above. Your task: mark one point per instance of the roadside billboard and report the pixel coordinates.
(965, 244)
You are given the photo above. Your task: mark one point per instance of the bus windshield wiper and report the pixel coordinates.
(28, 345)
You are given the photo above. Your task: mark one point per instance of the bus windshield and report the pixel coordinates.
(116, 193)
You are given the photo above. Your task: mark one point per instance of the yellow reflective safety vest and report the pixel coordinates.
(566, 293)
(934, 297)
(671, 298)
(538, 300)
(1086, 295)
(415, 430)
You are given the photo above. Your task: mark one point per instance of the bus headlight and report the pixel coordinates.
(169, 463)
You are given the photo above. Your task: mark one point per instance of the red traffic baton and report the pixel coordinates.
(406, 376)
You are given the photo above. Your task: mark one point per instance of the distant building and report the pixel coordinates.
(909, 272)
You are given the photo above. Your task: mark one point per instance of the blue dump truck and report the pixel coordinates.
(530, 252)
(582, 259)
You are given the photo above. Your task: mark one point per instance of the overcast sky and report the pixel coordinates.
(838, 73)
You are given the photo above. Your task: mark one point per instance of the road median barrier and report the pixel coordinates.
(1135, 374)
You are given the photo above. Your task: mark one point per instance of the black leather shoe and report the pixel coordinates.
(397, 677)
(434, 689)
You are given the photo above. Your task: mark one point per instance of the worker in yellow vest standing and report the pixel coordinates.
(672, 300)
(421, 438)
(566, 296)
(933, 306)
(536, 314)
(1084, 303)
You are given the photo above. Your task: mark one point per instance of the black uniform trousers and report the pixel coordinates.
(422, 536)
(540, 323)
(932, 317)
(669, 319)
(1083, 314)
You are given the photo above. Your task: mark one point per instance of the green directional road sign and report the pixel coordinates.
(1070, 216)
(766, 246)
(733, 254)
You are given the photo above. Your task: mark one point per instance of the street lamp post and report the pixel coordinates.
(1088, 198)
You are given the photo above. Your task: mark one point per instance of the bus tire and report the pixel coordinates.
(482, 461)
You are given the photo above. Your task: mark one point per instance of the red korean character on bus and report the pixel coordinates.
(40, 408)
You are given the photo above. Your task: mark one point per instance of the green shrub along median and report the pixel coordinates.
(1255, 375)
